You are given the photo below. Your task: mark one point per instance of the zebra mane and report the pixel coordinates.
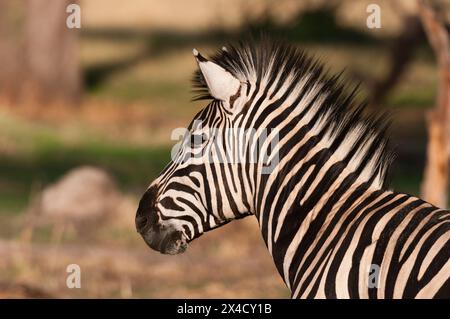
(349, 120)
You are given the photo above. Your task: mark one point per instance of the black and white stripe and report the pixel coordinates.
(324, 211)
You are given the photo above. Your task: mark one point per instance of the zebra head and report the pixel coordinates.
(199, 189)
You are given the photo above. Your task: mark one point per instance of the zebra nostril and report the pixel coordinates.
(146, 214)
(141, 223)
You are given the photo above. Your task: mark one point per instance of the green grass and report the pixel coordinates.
(129, 164)
(14, 200)
(145, 90)
(407, 182)
(43, 153)
(420, 98)
(172, 97)
(133, 167)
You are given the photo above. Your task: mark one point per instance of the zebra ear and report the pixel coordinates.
(221, 83)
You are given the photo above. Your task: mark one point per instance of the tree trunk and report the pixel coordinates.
(11, 44)
(51, 52)
(401, 55)
(39, 53)
(435, 182)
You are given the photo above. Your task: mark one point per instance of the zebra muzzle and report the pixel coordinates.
(159, 235)
(169, 242)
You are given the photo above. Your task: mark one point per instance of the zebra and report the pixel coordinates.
(325, 212)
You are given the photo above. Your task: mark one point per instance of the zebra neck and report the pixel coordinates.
(294, 221)
(299, 198)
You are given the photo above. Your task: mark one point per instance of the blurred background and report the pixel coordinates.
(86, 116)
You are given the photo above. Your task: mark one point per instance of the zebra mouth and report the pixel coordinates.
(175, 248)
(169, 243)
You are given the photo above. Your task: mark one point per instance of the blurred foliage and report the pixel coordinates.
(155, 66)
(145, 73)
(311, 26)
(133, 167)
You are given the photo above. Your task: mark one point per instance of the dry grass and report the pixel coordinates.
(227, 263)
(128, 123)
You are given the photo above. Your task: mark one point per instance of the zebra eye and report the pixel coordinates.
(198, 139)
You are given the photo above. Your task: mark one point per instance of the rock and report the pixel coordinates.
(84, 194)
